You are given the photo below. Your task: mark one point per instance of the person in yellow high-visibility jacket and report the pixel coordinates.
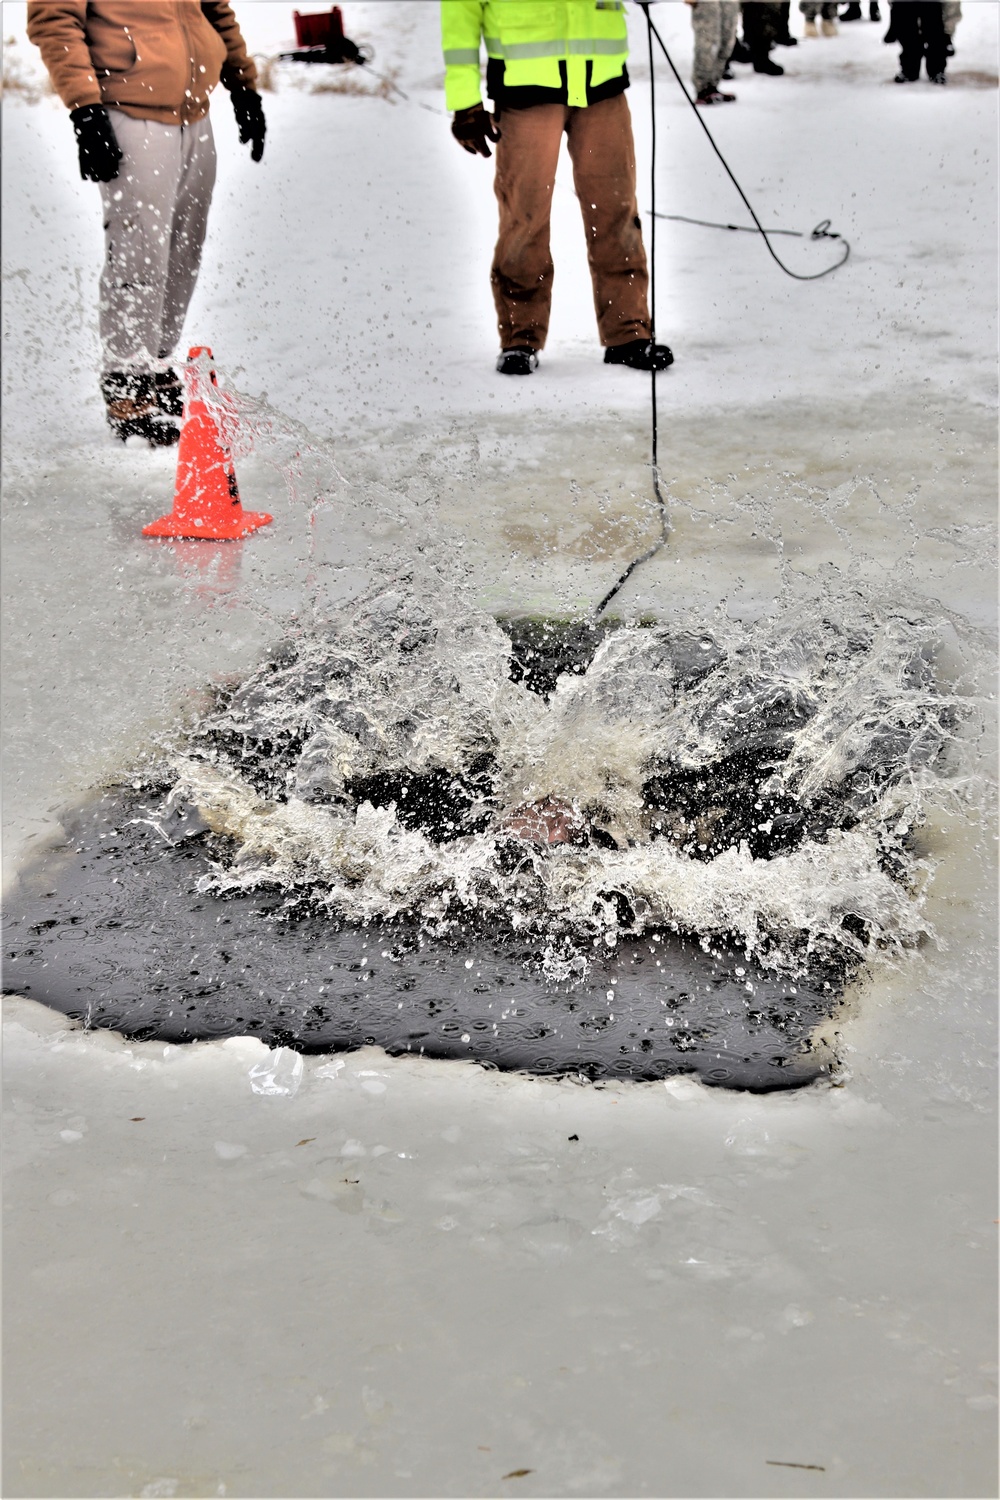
(554, 66)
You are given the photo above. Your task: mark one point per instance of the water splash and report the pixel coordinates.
(759, 781)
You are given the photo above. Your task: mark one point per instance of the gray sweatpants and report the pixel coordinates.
(155, 217)
(714, 23)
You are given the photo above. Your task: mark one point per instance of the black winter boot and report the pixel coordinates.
(765, 65)
(640, 354)
(517, 361)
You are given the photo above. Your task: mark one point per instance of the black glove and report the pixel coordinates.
(249, 114)
(472, 128)
(99, 151)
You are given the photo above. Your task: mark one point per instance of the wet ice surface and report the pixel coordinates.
(235, 1270)
(416, 1276)
(439, 1287)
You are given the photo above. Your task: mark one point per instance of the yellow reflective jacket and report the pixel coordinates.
(531, 38)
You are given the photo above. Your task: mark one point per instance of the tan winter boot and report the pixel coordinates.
(829, 28)
(811, 28)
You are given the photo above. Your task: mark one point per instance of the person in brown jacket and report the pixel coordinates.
(136, 79)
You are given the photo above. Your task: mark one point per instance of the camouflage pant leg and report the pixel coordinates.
(714, 23)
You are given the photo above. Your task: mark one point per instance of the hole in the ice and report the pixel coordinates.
(461, 836)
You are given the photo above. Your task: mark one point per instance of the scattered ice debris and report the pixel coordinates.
(279, 1073)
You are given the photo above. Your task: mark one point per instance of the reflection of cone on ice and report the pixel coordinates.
(207, 499)
(206, 573)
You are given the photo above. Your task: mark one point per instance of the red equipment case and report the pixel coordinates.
(318, 30)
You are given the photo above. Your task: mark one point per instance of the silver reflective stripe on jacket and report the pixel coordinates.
(583, 47)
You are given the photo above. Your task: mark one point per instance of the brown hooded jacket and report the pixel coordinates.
(155, 59)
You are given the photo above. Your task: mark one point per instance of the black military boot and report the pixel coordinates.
(640, 354)
(517, 361)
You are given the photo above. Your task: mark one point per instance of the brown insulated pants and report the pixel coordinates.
(603, 156)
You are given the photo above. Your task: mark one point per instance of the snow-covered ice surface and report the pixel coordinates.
(236, 1272)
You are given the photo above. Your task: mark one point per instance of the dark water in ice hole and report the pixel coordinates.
(116, 928)
(114, 932)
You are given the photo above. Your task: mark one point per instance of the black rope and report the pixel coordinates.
(822, 231)
(661, 503)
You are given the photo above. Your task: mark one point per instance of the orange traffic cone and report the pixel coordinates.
(206, 498)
